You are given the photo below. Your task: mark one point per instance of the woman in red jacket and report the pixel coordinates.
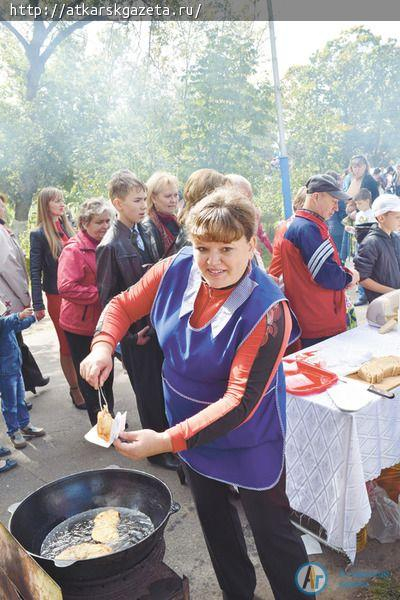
(80, 306)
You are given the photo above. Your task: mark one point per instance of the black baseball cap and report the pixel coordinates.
(326, 183)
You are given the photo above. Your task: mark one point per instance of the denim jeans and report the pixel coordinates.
(362, 296)
(13, 406)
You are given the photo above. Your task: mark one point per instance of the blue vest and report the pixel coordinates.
(197, 363)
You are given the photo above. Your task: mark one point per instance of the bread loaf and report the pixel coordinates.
(376, 369)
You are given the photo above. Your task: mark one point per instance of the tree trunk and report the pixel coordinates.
(33, 77)
(37, 54)
(23, 201)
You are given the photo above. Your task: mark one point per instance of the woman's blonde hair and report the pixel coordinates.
(156, 184)
(223, 216)
(45, 220)
(199, 185)
(93, 207)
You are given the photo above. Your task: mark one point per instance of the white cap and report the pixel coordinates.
(385, 203)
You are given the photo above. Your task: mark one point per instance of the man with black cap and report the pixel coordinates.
(313, 276)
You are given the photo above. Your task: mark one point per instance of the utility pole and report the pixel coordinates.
(283, 158)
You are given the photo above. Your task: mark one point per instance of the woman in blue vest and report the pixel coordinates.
(223, 326)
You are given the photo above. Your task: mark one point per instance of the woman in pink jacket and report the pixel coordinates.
(80, 306)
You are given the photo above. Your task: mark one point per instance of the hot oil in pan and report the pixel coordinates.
(133, 527)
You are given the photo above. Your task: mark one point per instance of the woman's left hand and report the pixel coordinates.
(142, 443)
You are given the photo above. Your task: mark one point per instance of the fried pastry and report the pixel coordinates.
(105, 526)
(110, 516)
(84, 551)
(104, 424)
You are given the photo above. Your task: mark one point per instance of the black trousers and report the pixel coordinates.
(280, 548)
(31, 373)
(143, 365)
(79, 346)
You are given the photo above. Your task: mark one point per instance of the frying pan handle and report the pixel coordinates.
(13, 507)
(175, 506)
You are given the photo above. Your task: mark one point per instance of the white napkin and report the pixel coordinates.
(118, 427)
(349, 397)
(312, 545)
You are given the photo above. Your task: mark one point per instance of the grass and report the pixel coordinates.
(384, 589)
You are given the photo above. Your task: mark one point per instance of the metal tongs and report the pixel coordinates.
(102, 398)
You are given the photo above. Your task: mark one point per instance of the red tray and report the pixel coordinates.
(303, 379)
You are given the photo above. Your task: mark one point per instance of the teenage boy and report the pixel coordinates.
(378, 256)
(122, 257)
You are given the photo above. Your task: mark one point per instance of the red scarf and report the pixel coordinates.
(63, 236)
(160, 220)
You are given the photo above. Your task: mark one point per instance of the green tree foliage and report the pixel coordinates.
(175, 96)
(46, 140)
(345, 101)
(181, 96)
(228, 117)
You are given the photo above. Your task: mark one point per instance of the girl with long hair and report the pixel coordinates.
(46, 243)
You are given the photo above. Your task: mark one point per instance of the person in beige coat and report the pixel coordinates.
(14, 293)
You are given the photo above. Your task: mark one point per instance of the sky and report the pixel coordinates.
(296, 41)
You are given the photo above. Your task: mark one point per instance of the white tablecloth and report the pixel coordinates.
(330, 454)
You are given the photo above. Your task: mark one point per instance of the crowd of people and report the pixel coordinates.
(175, 286)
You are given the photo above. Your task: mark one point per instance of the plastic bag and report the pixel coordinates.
(384, 524)
(351, 317)
(389, 480)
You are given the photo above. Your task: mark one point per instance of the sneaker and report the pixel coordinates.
(4, 451)
(32, 431)
(18, 440)
(7, 465)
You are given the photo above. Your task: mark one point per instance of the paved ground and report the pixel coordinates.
(64, 451)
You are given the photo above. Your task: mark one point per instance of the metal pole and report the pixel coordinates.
(283, 159)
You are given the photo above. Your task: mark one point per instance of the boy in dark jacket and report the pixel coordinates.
(12, 387)
(122, 257)
(378, 256)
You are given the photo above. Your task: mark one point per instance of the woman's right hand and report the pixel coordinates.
(97, 366)
(355, 279)
(40, 314)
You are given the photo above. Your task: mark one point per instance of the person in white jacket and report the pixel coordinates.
(14, 293)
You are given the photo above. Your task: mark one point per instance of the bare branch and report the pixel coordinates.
(14, 31)
(60, 37)
(51, 26)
